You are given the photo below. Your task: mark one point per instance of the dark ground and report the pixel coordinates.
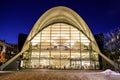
(56, 75)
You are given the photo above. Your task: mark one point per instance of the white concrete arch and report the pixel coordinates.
(61, 14)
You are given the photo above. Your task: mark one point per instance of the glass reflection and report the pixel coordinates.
(60, 46)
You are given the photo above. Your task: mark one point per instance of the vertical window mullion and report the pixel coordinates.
(70, 43)
(50, 46)
(40, 49)
(80, 51)
(60, 46)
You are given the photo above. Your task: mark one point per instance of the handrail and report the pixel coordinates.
(9, 61)
(110, 61)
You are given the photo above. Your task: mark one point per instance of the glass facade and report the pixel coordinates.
(60, 46)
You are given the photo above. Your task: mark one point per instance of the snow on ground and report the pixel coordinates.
(110, 72)
(59, 75)
(5, 71)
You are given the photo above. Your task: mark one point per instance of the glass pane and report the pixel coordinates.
(61, 46)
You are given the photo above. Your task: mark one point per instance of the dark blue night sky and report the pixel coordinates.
(19, 16)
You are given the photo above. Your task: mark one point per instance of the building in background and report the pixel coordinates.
(7, 51)
(2, 52)
(100, 41)
(21, 40)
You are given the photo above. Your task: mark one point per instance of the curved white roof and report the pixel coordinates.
(57, 15)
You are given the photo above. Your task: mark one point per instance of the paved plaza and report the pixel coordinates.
(57, 75)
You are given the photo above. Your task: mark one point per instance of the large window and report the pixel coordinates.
(60, 46)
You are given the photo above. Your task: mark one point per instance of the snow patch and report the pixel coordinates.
(110, 72)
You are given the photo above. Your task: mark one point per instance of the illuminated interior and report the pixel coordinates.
(60, 46)
(60, 39)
